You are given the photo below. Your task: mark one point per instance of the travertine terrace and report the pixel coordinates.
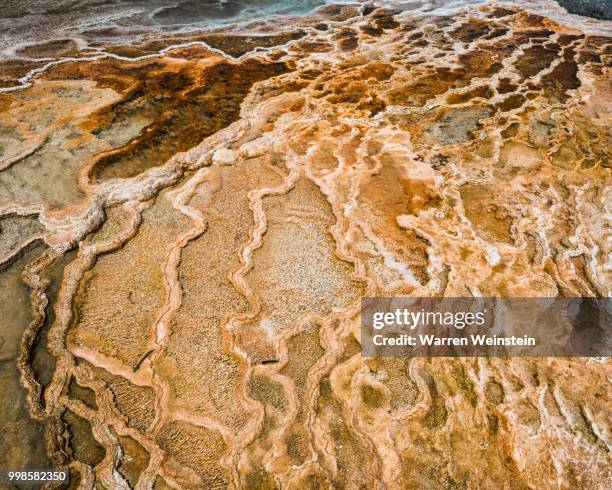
(188, 221)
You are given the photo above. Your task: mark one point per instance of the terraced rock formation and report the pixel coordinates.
(188, 223)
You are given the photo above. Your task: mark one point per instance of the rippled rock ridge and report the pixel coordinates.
(191, 212)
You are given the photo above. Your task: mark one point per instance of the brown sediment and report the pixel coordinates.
(41, 361)
(338, 13)
(22, 439)
(235, 45)
(186, 100)
(16, 232)
(135, 460)
(12, 70)
(203, 333)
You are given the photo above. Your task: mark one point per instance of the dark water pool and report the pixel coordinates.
(213, 11)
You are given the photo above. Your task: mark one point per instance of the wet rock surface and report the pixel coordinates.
(188, 221)
(599, 9)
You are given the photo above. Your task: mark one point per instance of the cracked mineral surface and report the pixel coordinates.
(195, 196)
